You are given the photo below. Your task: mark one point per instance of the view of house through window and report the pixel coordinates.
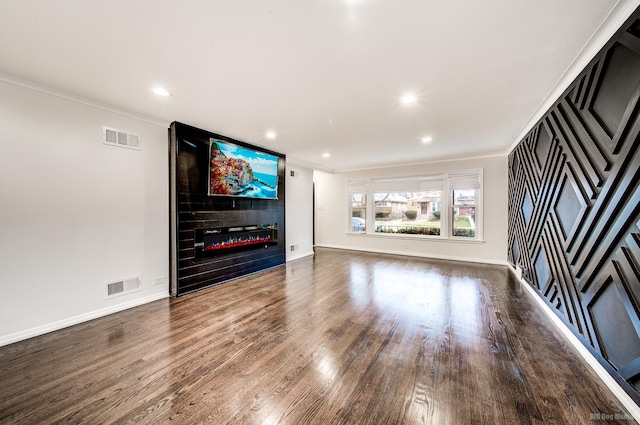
(413, 213)
(447, 205)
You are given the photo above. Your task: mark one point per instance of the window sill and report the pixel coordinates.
(417, 237)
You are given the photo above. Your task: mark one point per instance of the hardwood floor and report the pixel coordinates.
(342, 338)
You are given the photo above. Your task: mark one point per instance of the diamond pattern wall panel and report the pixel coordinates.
(574, 207)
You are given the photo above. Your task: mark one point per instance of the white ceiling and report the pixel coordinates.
(326, 75)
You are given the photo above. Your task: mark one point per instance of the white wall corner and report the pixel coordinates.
(299, 256)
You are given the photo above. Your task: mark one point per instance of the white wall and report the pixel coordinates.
(299, 211)
(75, 213)
(332, 214)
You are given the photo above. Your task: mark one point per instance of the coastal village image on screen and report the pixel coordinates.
(238, 171)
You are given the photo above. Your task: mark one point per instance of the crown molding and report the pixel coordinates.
(607, 29)
(76, 98)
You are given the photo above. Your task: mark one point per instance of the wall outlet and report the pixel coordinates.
(158, 280)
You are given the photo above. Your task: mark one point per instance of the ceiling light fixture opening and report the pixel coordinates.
(427, 139)
(161, 91)
(408, 99)
(271, 135)
(326, 155)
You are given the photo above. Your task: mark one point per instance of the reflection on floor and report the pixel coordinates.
(342, 338)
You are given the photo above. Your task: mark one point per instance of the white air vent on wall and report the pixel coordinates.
(123, 286)
(113, 137)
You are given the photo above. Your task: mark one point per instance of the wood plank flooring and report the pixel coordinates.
(340, 338)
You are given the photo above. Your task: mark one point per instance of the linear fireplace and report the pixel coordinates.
(214, 241)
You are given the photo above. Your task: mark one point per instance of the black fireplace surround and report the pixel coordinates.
(216, 238)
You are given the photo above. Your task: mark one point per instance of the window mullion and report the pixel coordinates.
(371, 223)
(446, 222)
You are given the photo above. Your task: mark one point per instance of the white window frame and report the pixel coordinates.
(357, 187)
(465, 180)
(454, 206)
(458, 180)
(366, 212)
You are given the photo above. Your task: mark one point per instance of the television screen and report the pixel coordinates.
(239, 171)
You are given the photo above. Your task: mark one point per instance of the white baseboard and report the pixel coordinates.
(417, 254)
(300, 256)
(602, 373)
(70, 321)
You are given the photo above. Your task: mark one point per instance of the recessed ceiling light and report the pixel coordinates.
(326, 155)
(161, 91)
(427, 139)
(408, 99)
(271, 135)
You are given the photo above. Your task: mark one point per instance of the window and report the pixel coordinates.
(358, 212)
(357, 190)
(464, 213)
(442, 206)
(465, 191)
(410, 213)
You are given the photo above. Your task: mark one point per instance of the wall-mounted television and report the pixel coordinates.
(239, 171)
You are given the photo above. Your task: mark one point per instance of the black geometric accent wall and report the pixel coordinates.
(574, 207)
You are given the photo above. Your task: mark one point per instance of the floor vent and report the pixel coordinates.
(123, 286)
(113, 137)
